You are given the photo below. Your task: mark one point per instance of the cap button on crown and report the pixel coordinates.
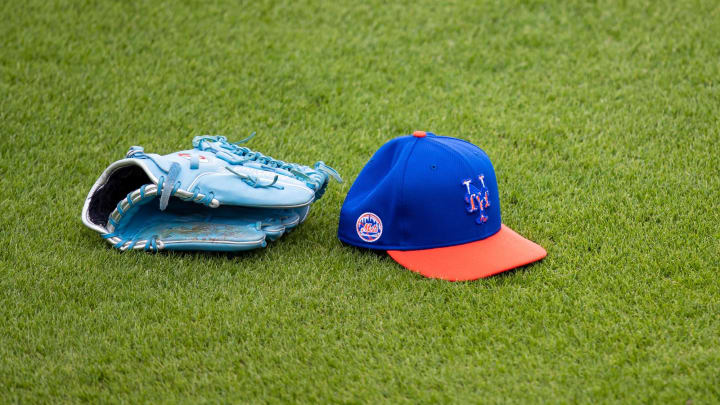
(419, 134)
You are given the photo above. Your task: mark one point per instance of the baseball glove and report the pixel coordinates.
(217, 196)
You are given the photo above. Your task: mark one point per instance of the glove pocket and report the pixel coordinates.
(186, 225)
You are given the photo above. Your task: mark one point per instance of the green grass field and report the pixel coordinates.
(602, 122)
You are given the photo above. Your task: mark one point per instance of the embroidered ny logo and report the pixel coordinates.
(477, 199)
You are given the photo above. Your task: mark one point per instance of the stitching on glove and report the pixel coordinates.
(225, 150)
(254, 181)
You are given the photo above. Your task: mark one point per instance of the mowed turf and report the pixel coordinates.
(601, 119)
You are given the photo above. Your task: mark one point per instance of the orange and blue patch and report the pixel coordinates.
(369, 227)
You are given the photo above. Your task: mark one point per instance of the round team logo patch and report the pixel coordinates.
(369, 227)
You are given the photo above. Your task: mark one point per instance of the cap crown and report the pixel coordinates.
(422, 193)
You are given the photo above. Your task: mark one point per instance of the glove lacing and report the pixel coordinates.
(317, 180)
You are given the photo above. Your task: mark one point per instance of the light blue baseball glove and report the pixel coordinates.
(217, 196)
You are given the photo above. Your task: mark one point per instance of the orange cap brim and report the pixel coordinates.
(503, 251)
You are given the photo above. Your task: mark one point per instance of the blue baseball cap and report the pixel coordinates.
(432, 203)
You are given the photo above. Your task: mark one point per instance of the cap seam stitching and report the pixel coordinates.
(453, 151)
(402, 178)
(462, 140)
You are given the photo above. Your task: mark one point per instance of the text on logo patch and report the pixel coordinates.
(369, 227)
